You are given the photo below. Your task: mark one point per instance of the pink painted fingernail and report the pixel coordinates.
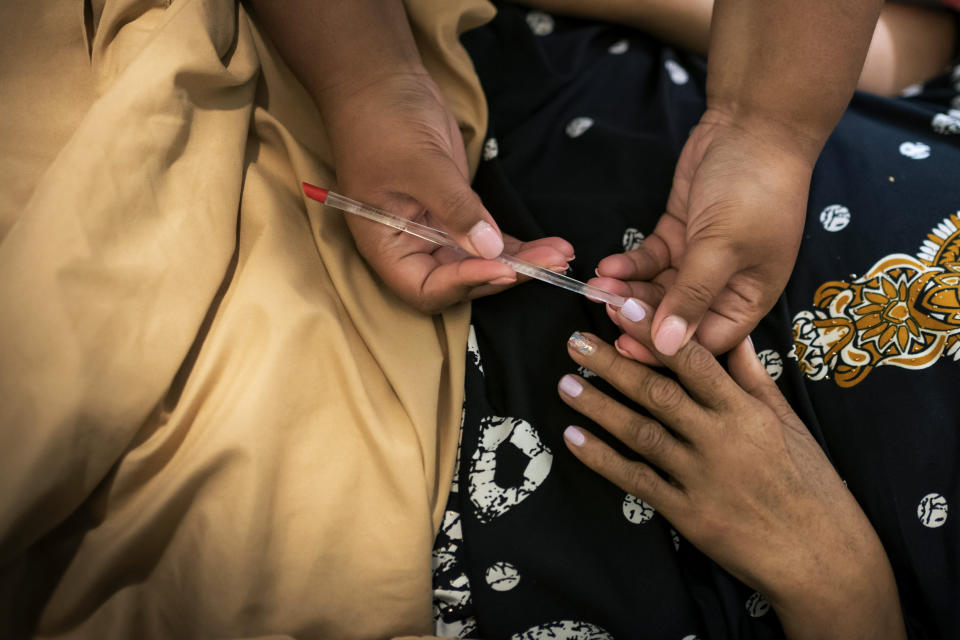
(570, 386)
(574, 436)
(670, 336)
(486, 240)
(632, 309)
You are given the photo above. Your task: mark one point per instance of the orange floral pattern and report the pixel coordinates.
(905, 311)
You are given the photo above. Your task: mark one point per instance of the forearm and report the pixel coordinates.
(788, 69)
(339, 46)
(853, 596)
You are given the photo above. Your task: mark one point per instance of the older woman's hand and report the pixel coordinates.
(397, 146)
(720, 256)
(736, 472)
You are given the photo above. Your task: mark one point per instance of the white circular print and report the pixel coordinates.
(690, 637)
(677, 73)
(502, 576)
(772, 362)
(835, 217)
(490, 499)
(563, 630)
(757, 605)
(540, 23)
(632, 239)
(915, 150)
(490, 149)
(932, 510)
(636, 510)
(578, 126)
(619, 47)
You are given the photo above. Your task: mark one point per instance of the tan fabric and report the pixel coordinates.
(214, 420)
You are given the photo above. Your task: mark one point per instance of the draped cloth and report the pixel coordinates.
(215, 420)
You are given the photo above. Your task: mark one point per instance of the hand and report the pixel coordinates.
(723, 251)
(736, 472)
(398, 147)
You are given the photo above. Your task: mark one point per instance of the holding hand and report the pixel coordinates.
(723, 251)
(735, 471)
(397, 146)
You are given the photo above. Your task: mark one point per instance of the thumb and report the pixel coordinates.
(747, 371)
(705, 271)
(445, 192)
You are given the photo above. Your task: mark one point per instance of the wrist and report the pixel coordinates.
(337, 48)
(846, 600)
(792, 144)
(342, 95)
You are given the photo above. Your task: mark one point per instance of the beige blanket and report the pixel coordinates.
(214, 420)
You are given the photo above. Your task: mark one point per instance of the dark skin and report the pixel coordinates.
(779, 76)
(397, 146)
(737, 473)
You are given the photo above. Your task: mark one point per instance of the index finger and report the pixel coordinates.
(696, 368)
(706, 269)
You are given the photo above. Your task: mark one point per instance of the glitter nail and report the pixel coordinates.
(580, 342)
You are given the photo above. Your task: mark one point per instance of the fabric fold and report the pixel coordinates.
(215, 420)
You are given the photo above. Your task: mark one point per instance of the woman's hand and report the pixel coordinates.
(723, 251)
(736, 472)
(397, 146)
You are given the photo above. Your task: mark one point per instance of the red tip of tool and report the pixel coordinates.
(315, 193)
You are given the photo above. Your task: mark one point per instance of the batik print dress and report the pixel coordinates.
(587, 121)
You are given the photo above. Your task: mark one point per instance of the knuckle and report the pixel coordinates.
(456, 206)
(664, 393)
(646, 436)
(639, 478)
(694, 357)
(694, 291)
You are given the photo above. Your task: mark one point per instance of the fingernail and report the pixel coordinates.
(670, 336)
(749, 341)
(503, 280)
(486, 240)
(570, 386)
(574, 436)
(580, 342)
(559, 268)
(632, 309)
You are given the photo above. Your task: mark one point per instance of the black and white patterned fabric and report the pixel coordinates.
(587, 121)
